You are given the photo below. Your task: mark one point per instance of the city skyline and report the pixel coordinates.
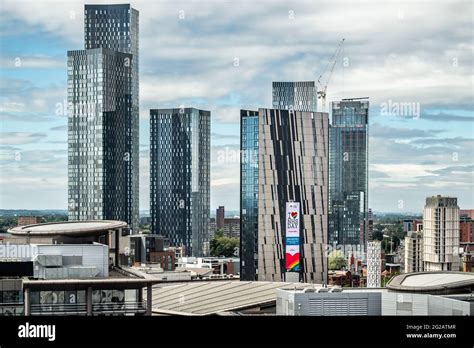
(423, 150)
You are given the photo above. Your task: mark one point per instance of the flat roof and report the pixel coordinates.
(432, 282)
(70, 228)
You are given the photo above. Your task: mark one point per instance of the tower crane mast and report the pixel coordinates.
(328, 70)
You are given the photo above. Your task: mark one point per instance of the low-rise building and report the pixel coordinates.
(435, 293)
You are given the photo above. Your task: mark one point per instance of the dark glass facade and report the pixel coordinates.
(180, 177)
(249, 194)
(116, 27)
(298, 95)
(99, 116)
(348, 181)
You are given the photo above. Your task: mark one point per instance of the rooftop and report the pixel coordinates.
(205, 298)
(70, 228)
(433, 282)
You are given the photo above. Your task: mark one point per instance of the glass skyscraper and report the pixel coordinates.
(103, 117)
(298, 96)
(248, 194)
(180, 177)
(348, 168)
(100, 102)
(284, 158)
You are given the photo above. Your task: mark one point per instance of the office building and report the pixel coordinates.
(220, 217)
(374, 264)
(348, 168)
(414, 252)
(179, 177)
(284, 159)
(103, 111)
(297, 96)
(441, 234)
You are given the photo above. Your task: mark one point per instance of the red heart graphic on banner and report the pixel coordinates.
(294, 214)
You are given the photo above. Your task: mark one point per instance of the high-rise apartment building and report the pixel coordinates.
(298, 96)
(414, 252)
(441, 234)
(103, 117)
(180, 178)
(348, 168)
(284, 159)
(99, 99)
(220, 213)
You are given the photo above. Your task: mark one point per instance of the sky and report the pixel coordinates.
(413, 59)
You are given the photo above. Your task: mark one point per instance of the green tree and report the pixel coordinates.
(377, 235)
(223, 246)
(336, 260)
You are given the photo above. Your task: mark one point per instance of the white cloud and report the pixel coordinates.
(18, 138)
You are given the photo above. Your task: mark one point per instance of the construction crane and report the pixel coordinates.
(329, 67)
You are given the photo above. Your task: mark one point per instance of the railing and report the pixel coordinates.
(58, 309)
(81, 308)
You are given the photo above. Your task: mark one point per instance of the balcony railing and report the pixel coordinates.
(107, 308)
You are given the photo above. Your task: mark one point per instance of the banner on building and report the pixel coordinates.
(292, 252)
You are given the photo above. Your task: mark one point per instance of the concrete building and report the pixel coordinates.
(416, 294)
(367, 224)
(218, 265)
(62, 261)
(180, 177)
(414, 252)
(348, 173)
(284, 158)
(103, 118)
(110, 233)
(374, 264)
(66, 261)
(441, 234)
(220, 215)
(297, 96)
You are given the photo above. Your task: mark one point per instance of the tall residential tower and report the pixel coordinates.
(179, 177)
(103, 117)
(441, 234)
(284, 173)
(348, 168)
